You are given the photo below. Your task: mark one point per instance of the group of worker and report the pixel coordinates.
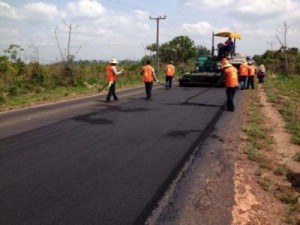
(246, 71)
(148, 74)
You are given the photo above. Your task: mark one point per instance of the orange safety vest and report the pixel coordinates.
(231, 79)
(252, 70)
(148, 73)
(244, 70)
(110, 76)
(170, 70)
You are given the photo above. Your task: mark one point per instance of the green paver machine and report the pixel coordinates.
(207, 71)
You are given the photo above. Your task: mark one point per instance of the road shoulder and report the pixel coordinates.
(203, 193)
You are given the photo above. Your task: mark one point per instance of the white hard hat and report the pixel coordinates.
(114, 61)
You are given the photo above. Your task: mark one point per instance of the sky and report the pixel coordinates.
(105, 29)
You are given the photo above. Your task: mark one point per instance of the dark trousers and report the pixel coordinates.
(250, 82)
(169, 81)
(148, 88)
(112, 92)
(230, 92)
(260, 78)
(243, 82)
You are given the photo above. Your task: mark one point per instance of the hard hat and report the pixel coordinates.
(226, 64)
(114, 61)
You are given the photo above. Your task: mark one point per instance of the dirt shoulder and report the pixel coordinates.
(221, 185)
(263, 194)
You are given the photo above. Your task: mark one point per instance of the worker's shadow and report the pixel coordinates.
(294, 179)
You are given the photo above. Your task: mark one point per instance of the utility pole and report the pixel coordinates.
(157, 41)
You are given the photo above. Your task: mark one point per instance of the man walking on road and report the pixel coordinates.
(244, 71)
(148, 74)
(170, 72)
(111, 77)
(252, 73)
(231, 84)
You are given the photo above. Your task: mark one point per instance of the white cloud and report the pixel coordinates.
(207, 3)
(85, 9)
(201, 28)
(268, 9)
(41, 11)
(7, 11)
(7, 35)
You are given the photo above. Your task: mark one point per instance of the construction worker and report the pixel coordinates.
(170, 72)
(111, 77)
(231, 84)
(261, 73)
(251, 74)
(225, 49)
(225, 60)
(148, 74)
(243, 71)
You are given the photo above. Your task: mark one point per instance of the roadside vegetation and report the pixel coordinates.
(284, 92)
(282, 88)
(273, 175)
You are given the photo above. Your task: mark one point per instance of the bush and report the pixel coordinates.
(2, 99)
(12, 91)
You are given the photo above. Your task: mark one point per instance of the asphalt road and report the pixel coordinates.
(88, 162)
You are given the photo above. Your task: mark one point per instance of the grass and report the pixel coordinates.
(256, 132)
(296, 157)
(284, 92)
(280, 170)
(45, 95)
(58, 93)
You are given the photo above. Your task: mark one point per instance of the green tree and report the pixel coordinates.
(180, 50)
(4, 65)
(202, 51)
(13, 51)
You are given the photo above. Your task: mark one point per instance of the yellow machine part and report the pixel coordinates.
(228, 34)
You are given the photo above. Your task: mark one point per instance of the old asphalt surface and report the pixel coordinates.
(88, 162)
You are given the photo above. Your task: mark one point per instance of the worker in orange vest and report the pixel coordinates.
(243, 71)
(111, 77)
(149, 76)
(231, 84)
(252, 73)
(170, 72)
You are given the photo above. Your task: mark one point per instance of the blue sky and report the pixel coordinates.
(103, 29)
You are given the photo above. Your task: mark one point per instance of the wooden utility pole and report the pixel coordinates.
(157, 41)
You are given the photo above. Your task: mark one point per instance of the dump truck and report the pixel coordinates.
(207, 71)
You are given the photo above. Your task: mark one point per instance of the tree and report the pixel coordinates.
(180, 50)
(202, 51)
(13, 51)
(68, 76)
(184, 47)
(283, 43)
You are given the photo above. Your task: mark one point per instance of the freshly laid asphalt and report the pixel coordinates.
(88, 162)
